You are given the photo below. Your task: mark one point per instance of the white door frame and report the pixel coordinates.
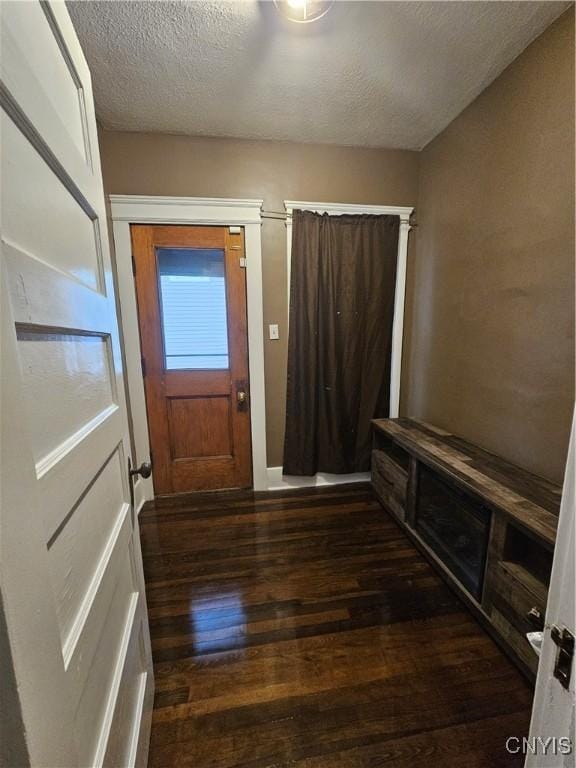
(138, 209)
(338, 209)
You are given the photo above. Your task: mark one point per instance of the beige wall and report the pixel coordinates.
(491, 338)
(489, 348)
(147, 164)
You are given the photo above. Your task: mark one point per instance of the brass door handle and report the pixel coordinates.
(241, 397)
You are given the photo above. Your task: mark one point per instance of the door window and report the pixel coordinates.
(193, 307)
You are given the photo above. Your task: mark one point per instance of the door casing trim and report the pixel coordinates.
(140, 209)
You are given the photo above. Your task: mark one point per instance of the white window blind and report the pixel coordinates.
(193, 299)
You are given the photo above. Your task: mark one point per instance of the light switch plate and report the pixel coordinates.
(273, 331)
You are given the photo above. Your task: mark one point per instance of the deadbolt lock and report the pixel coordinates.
(241, 397)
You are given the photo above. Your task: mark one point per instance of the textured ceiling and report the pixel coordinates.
(379, 74)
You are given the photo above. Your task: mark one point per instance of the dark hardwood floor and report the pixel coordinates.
(306, 630)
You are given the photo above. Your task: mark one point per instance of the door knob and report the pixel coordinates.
(241, 397)
(144, 470)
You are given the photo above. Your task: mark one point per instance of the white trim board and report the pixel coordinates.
(138, 209)
(338, 209)
(279, 482)
(223, 211)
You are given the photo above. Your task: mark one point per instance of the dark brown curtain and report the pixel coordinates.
(340, 336)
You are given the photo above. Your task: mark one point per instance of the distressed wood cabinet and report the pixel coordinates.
(486, 525)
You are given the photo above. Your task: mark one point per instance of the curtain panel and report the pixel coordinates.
(343, 276)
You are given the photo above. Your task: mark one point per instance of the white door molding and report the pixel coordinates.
(138, 209)
(404, 213)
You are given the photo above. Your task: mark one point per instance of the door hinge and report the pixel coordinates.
(564, 639)
(243, 262)
(143, 363)
(133, 265)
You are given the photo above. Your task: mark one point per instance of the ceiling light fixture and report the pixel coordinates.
(303, 11)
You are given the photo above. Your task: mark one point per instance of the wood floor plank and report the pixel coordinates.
(305, 630)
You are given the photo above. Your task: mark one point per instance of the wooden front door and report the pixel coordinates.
(190, 286)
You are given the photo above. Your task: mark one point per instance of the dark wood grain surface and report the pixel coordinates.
(305, 630)
(531, 501)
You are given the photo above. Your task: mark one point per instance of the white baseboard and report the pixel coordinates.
(279, 482)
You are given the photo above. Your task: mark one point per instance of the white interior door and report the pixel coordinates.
(552, 742)
(72, 591)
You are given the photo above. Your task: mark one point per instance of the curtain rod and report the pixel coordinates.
(283, 216)
(280, 215)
